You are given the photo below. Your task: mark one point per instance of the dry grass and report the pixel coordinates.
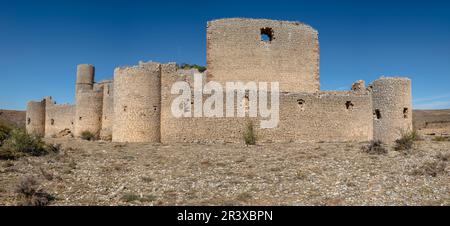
(244, 197)
(441, 139)
(406, 141)
(445, 157)
(430, 168)
(94, 173)
(46, 174)
(29, 193)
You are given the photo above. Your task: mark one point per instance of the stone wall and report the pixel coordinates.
(137, 103)
(324, 116)
(170, 75)
(59, 120)
(327, 117)
(235, 52)
(108, 110)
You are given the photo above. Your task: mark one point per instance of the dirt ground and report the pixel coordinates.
(102, 173)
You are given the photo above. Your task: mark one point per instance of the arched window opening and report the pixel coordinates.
(267, 34)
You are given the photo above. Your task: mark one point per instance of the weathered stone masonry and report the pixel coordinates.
(236, 52)
(136, 105)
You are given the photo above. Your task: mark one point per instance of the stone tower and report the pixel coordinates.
(85, 78)
(392, 108)
(89, 102)
(137, 103)
(264, 50)
(35, 118)
(88, 112)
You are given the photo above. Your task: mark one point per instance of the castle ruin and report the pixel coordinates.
(136, 105)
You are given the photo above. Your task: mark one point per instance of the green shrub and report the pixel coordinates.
(192, 66)
(5, 131)
(249, 134)
(19, 143)
(406, 140)
(375, 148)
(87, 135)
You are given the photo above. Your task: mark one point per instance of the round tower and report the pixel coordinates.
(392, 108)
(88, 112)
(35, 118)
(137, 103)
(85, 77)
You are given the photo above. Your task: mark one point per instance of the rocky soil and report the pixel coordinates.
(102, 173)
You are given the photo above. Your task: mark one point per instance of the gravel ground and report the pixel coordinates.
(101, 173)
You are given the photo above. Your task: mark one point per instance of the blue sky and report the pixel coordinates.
(41, 42)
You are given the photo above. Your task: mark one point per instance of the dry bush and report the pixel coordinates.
(130, 197)
(72, 164)
(441, 139)
(244, 197)
(87, 135)
(147, 179)
(430, 168)
(29, 193)
(148, 198)
(406, 140)
(249, 134)
(375, 148)
(445, 157)
(47, 175)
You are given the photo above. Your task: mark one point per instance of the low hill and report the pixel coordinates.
(16, 118)
(432, 121)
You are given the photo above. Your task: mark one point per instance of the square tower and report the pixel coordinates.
(264, 50)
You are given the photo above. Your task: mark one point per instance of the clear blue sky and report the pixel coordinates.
(41, 42)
